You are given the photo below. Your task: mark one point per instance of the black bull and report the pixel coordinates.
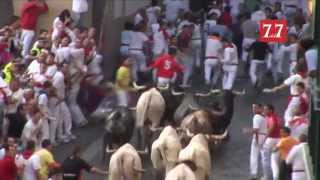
(119, 126)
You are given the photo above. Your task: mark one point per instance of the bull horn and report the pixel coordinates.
(203, 95)
(156, 129)
(133, 108)
(239, 93)
(139, 170)
(163, 88)
(218, 137)
(189, 134)
(146, 151)
(215, 91)
(137, 87)
(108, 150)
(173, 92)
(112, 114)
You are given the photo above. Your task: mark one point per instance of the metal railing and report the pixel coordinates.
(315, 94)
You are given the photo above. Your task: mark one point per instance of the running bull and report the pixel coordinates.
(125, 163)
(165, 151)
(119, 127)
(211, 120)
(150, 110)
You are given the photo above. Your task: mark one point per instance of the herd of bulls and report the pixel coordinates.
(189, 122)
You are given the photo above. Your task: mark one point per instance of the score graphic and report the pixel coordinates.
(273, 31)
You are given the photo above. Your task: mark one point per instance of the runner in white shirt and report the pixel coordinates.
(311, 55)
(196, 43)
(291, 82)
(153, 12)
(259, 132)
(212, 57)
(33, 130)
(137, 43)
(51, 67)
(292, 49)
(160, 44)
(77, 71)
(32, 168)
(299, 158)
(79, 7)
(229, 64)
(172, 8)
(62, 113)
(125, 39)
(94, 74)
(36, 65)
(60, 25)
(295, 104)
(63, 52)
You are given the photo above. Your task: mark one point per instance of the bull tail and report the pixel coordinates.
(142, 113)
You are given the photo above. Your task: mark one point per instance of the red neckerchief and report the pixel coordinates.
(27, 154)
(302, 74)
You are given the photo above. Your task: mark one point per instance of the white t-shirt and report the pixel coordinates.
(260, 123)
(28, 132)
(293, 106)
(295, 157)
(292, 49)
(172, 9)
(32, 165)
(159, 42)
(230, 55)
(312, 59)
(80, 6)
(58, 27)
(152, 14)
(76, 60)
(63, 54)
(213, 48)
(3, 83)
(18, 97)
(58, 83)
(292, 81)
(125, 37)
(94, 67)
(51, 70)
(137, 40)
(34, 67)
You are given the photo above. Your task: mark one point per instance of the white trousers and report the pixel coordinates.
(209, 65)
(76, 113)
(229, 75)
(186, 59)
(123, 98)
(65, 122)
(298, 176)
(246, 43)
(26, 41)
(253, 70)
(256, 151)
(196, 50)
(45, 130)
(53, 125)
(139, 62)
(270, 161)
